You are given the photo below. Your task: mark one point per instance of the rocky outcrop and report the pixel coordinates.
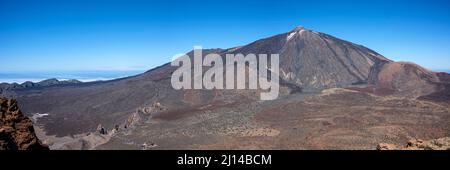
(386, 146)
(418, 144)
(142, 113)
(155, 107)
(16, 130)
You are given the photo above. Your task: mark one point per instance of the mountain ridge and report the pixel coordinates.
(28, 84)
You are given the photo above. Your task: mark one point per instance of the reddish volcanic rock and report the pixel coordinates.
(404, 78)
(16, 130)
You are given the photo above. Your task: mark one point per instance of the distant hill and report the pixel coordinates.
(5, 87)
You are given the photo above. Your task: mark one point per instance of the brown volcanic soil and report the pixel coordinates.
(357, 117)
(333, 119)
(440, 96)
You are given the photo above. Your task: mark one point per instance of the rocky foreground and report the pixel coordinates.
(418, 144)
(16, 130)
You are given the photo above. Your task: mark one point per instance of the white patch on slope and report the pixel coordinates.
(234, 49)
(38, 115)
(290, 36)
(301, 31)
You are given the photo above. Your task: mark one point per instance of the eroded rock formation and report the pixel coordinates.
(16, 130)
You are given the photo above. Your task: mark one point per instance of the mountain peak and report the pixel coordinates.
(298, 28)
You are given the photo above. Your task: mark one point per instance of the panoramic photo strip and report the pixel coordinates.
(224, 83)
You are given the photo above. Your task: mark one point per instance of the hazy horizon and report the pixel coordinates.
(84, 76)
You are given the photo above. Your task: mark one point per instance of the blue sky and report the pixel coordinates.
(69, 35)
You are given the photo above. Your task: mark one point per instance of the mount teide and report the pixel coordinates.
(315, 60)
(309, 62)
